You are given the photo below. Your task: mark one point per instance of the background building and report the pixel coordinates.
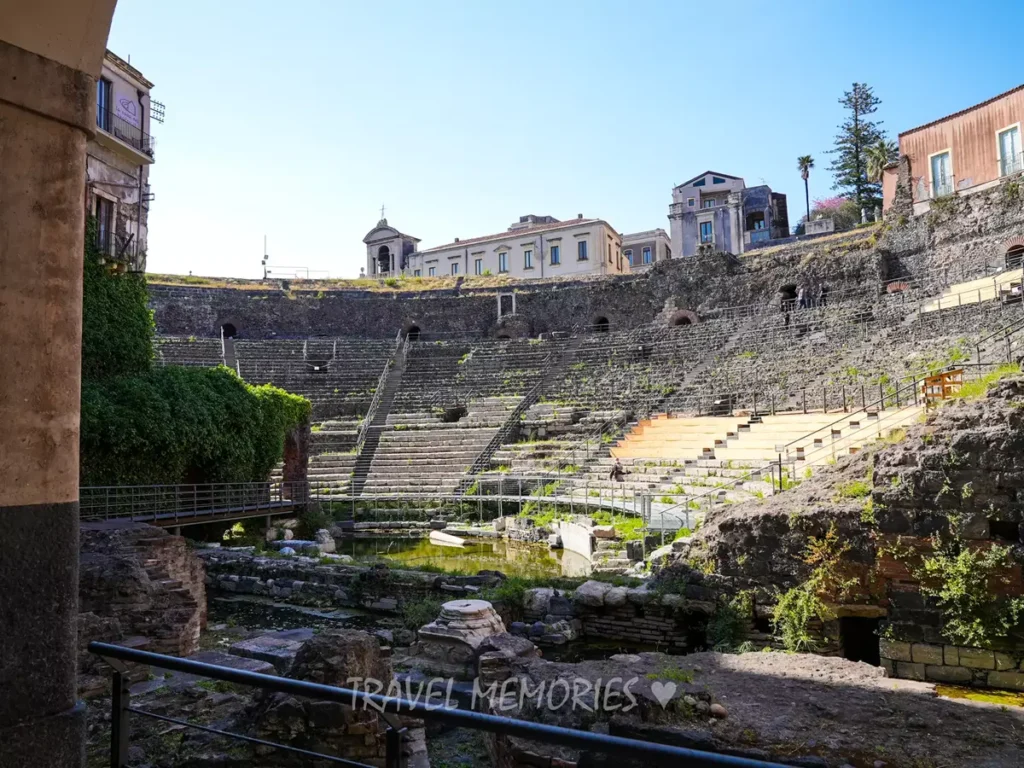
(965, 152)
(642, 249)
(117, 162)
(719, 211)
(534, 246)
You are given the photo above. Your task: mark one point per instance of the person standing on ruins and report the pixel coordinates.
(617, 472)
(801, 297)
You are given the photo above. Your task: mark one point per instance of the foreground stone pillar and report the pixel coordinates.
(47, 111)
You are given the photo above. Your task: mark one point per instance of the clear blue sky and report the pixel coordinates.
(298, 119)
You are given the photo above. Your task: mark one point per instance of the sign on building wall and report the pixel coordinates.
(126, 104)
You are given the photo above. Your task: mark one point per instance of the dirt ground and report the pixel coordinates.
(783, 706)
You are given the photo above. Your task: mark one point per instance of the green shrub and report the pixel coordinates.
(416, 613)
(961, 579)
(729, 624)
(142, 425)
(117, 324)
(183, 425)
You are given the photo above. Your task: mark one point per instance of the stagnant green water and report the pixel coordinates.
(511, 558)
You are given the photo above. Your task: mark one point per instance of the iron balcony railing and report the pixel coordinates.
(389, 708)
(1012, 164)
(132, 135)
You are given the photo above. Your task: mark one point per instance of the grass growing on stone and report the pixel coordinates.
(974, 390)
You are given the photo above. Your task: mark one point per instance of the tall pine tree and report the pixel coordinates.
(856, 135)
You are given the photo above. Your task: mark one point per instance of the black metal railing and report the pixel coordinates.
(168, 504)
(389, 709)
(107, 120)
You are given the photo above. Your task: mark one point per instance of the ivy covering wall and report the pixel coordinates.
(143, 424)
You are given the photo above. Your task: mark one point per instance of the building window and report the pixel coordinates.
(478, 267)
(647, 255)
(503, 261)
(528, 259)
(716, 180)
(432, 272)
(417, 273)
(455, 267)
(629, 256)
(104, 225)
(700, 182)
(610, 260)
(690, 202)
(668, 252)
(707, 203)
(556, 254)
(1009, 151)
(581, 250)
(103, 104)
(707, 232)
(942, 174)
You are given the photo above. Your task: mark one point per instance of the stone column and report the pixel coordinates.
(47, 111)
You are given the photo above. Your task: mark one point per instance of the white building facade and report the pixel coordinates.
(535, 246)
(642, 250)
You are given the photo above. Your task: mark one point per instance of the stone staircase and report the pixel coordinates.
(364, 461)
(424, 454)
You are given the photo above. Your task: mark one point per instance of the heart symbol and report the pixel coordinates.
(663, 692)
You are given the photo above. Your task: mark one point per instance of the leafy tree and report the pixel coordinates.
(857, 133)
(880, 155)
(845, 213)
(804, 163)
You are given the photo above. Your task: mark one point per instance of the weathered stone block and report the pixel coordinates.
(926, 654)
(1004, 661)
(1012, 680)
(910, 671)
(977, 658)
(951, 655)
(895, 650)
(941, 674)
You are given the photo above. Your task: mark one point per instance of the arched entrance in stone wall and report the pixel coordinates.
(383, 259)
(601, 324)
(1015, 253)
(683, 317)
(787, 296)
(228, 331)
(412, 333)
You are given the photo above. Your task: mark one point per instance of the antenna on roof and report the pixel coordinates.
(266, 258)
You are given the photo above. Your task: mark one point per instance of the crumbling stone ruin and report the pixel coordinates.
(916, 541)
(139, 586)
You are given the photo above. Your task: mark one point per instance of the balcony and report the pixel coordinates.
(126, 136)
(1011, 165)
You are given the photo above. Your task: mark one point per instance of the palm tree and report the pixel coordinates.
(804, 165)
(879, 156)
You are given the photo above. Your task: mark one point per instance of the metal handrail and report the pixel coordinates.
(768, 466)
(399, 353)
(389, 707)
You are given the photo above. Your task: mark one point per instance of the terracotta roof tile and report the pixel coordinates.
(961, 112)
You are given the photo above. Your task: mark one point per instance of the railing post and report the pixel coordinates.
(845, 410)
(119, 728)
(803, 398)
(393, 748)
